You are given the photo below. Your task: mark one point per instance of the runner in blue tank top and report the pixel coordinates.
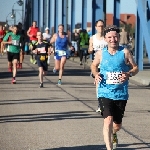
(115, 69)
(61, 42)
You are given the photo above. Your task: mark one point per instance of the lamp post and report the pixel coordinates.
(21, 3)
(6, 24)
(13, 15)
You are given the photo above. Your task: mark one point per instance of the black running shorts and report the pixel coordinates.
(11, 56)
(42, 64)
(113, 108)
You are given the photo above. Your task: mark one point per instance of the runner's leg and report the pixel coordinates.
(62, 63)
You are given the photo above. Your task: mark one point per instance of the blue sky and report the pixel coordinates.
(127, 6)
(6, 8)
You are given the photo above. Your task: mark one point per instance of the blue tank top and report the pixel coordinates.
(111, 67)
(61, 43)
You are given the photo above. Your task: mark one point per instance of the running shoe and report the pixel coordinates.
(115, 141)
(9, 69)
(41, 85)
(34, 61)
(5, 50)
(59, 82)
(20, 66)
(31, 60)
(98, 110)
(13, 81)
(54, 70)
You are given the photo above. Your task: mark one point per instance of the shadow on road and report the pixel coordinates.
(146, 66)
(48, 116)
(86, 147)
(140, 146)
(39, 100)
(30, 73)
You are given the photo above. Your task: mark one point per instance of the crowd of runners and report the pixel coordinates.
(41, 46)
(112, 65)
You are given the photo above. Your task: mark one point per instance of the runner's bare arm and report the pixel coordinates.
(28, 32)
(131, 62)
(35, 51)
(90, 50)
(7, 42)
(49, 51)
(53, 38)
(68, 39)
(96, 62)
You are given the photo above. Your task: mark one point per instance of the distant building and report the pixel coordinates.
(124, 19)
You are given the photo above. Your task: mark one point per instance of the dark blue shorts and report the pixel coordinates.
(42, 64)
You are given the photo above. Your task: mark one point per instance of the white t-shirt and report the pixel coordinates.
(46, 36)
(98, 44)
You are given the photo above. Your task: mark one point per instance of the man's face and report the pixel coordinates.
(34, 24)
(39, 36)
(99, 27)
(46, 31)
(112, 38)
(1, 27)
(15, 29)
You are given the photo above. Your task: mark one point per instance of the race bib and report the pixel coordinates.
(113, 77)
(15, 42)
(42, 50)
(99, 47)
(61, 53)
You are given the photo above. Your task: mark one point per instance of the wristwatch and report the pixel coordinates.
(130, 73)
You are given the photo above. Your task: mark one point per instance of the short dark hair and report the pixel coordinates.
(61, 25)
(111, 28)
(98, 21)
(33, 22)
(19, 23)
(15, 26)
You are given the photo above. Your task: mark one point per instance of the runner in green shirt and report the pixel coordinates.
(13, 41)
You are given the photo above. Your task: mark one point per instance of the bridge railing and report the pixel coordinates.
(142, 32)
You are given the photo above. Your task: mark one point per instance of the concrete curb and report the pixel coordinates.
(140, 80)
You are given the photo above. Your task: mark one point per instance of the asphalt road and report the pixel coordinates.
(63, 117)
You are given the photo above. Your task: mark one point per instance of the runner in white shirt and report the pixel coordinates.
(47, 37)
(97, 42)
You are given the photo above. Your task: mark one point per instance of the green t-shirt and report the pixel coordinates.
(15, 38)
(84, 39)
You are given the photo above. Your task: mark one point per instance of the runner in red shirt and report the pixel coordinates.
(32, 33)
